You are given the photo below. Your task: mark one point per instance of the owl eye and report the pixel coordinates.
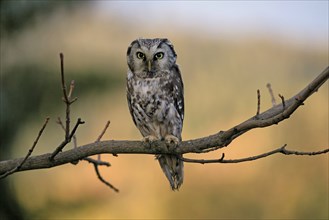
(158, 56)
(140, 55)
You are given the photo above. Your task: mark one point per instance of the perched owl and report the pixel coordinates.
(156, 98)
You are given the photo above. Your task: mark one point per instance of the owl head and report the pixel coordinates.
(149, 58)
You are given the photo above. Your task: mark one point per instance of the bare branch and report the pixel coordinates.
(283, 102)
(65, 97)
(258, 102)
(97, 162)
(28, 153)
(90, 160)
(75, 144)
(221, 139)
(103, 180)
(301, 153)
(71, 89)
(59, 121)
(100, 137)
(103, 131)
(281, 150)
(271, 94)
(79, 122)
(202, 161)
(67, 100)
(66, 141)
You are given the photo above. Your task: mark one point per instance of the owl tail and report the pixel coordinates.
(173, 168)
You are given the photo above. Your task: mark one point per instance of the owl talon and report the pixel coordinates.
(148, 140)
(171, 141)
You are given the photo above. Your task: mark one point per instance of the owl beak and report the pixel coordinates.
(149, 66)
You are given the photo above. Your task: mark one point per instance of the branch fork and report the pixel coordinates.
(68, 102)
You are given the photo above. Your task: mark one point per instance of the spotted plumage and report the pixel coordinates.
(155, 98)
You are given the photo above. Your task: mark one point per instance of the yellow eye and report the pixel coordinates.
(159, 56)
(140, 55)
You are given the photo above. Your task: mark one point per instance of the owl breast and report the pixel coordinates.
(152, 106)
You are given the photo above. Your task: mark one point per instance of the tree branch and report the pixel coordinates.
(283, 102)
(271, 94)
(67, 139)
(281, 150)
(98, 162)
(221, 139)
(103, 180)
(18, 167)
(258, 102)
(68, 101)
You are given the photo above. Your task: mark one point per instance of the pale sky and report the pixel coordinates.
(297, 20)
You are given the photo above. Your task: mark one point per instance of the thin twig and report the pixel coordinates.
(258, 102)
(65, 97)
(59, 121)
(29, 152)
(96, 163)
(301, 153)
(72, 86)
(90, 160)
(271, 94)
(103, 180)
(71, 89)
(75, 143)
(103, 132)
(283, 102)
(100, 137)
(99, 162)
(281, 150)
(79, 122)
(66, 141)
(67, 100)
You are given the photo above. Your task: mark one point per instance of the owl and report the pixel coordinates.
(155, 97)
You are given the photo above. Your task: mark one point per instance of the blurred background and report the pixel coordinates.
(226, 51)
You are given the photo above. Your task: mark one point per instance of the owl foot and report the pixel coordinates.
(171, 141)
(148, 140)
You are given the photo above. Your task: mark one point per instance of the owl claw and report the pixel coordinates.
(148, 140)
(171, 140)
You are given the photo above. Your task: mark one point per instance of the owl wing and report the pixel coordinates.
(129, 99)
(178, 92)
